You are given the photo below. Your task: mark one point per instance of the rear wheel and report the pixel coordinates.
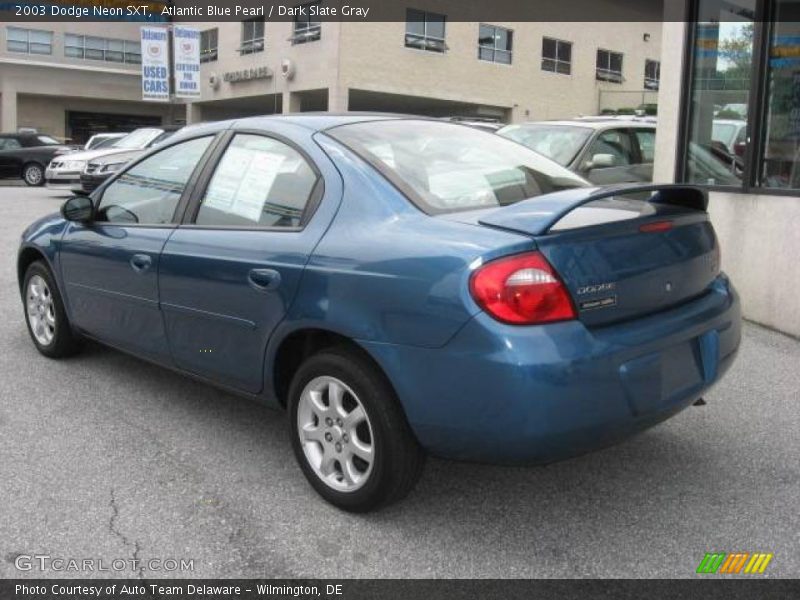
(33, 174)
(45, 315)
(348, 433)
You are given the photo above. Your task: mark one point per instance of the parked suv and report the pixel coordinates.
(602, 150)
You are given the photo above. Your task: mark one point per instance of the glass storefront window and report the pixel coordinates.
(720, 90)
(728, 142)
(780, 160)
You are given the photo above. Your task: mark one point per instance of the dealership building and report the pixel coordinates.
(73, 78)
(428, 65)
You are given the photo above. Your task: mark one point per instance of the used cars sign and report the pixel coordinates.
(155, 64)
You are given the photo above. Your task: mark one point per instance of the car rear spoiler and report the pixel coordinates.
(538, 215)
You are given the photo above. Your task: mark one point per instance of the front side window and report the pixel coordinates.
(494, 44)
(615, 144)
(444, 167)
(557, 56)
(609, 66)
(652, 74)
(306, 29)
(252, 36)
(259, 182)
(209, 41)
(29, 41)
(425, 31)
(148, 193)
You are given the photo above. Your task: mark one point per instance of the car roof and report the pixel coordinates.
(314, 121)
(598, 123)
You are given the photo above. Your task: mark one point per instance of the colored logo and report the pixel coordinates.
(735, 563)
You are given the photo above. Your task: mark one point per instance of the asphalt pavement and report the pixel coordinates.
(106, 457)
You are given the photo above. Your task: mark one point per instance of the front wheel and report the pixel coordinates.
(33, 174)
(45, 315)
(349, 435)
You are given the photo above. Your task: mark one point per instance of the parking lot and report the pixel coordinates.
(108, 457)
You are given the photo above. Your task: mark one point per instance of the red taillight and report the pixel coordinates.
(522, 290)
(656, 227)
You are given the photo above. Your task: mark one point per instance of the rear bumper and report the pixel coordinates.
(499, 393)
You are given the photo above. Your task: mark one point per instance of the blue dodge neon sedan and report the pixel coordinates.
(400, 285)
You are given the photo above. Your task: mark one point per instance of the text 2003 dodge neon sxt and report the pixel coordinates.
(400, 285)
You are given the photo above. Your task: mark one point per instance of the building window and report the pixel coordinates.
(97, 48)
(305, 28)
(425, 30)
(494, 44)
(29, 41)
(557, 56)
(609, 66)
(652, 74)
(133, 52)
(252, 36)
(209, 40)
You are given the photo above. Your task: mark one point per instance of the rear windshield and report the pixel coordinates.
(444, 167)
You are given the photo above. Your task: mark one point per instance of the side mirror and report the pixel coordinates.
(602, 161)
(79, 209)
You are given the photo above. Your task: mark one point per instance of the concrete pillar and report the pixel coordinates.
(8, 110)
(338, 99)
(194, 113)
(291, 102)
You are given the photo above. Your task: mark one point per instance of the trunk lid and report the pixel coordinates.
(623, 252)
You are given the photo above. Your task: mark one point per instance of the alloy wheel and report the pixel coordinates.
(33, 175)
(335, 434)
(41, 310)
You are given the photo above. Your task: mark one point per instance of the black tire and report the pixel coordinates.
(64, 340)
(398, 458)
(33, 174)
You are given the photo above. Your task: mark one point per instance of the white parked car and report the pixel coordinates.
(102, 140)
(64, 172)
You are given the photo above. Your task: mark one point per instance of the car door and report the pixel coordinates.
(110, 266)
(610, 158)
(9, 157)
(228, 275)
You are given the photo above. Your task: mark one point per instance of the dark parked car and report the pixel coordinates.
(26, 155)
(401, 286)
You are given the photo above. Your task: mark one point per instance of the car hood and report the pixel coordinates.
(90, 154)
(117, 157)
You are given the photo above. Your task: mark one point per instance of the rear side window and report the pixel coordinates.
(259, 182)
(444, 167)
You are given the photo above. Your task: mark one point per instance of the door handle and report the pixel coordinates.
(264, 280)
(141, 262)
